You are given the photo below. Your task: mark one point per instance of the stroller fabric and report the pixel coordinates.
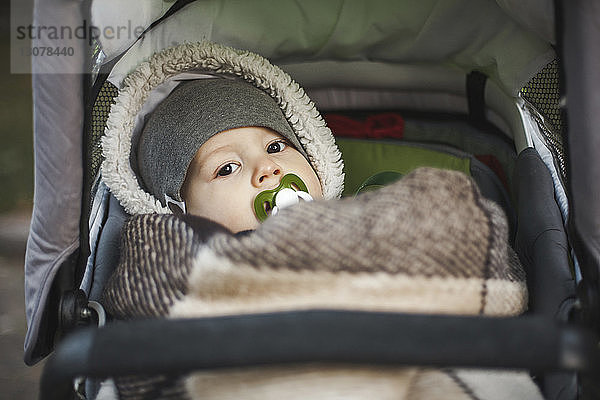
(428, 243)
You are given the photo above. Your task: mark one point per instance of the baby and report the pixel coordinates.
(205, 129)
(222, 149)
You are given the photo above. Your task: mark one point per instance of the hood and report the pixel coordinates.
(155, 78)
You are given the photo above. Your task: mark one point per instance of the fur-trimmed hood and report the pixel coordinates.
(153, 80)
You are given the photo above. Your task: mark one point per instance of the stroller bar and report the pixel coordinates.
(179, 346)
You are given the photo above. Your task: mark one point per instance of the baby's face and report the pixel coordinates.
(232, 167)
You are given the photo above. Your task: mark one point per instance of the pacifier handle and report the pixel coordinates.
(304, 196)
(288, 197)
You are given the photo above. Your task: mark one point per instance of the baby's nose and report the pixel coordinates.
(266, 173)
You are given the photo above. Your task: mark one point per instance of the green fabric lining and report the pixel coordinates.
(364, 158)
(379, 180)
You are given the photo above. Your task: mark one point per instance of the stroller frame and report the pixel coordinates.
(541, 345)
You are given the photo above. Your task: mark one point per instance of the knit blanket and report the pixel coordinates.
(429, 243)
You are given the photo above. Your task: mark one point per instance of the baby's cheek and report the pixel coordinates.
(314, 187)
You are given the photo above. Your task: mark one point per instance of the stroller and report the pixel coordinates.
(481, 82)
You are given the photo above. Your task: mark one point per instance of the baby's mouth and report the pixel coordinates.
(290, 191)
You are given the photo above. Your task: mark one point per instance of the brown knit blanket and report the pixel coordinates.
(428, 243)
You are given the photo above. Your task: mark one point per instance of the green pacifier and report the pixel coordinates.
(289, 192)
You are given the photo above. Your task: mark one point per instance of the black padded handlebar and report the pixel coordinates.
(179, 346)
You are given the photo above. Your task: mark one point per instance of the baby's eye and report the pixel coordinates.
(227, 169)
(276, 147)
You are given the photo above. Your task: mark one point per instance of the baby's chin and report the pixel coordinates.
(241, 226)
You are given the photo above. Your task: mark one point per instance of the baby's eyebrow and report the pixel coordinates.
(214, 153)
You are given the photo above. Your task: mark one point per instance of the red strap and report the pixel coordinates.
(377, 126)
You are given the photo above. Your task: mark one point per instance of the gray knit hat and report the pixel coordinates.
(193, 113)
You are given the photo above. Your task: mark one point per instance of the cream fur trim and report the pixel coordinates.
(299, 110)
